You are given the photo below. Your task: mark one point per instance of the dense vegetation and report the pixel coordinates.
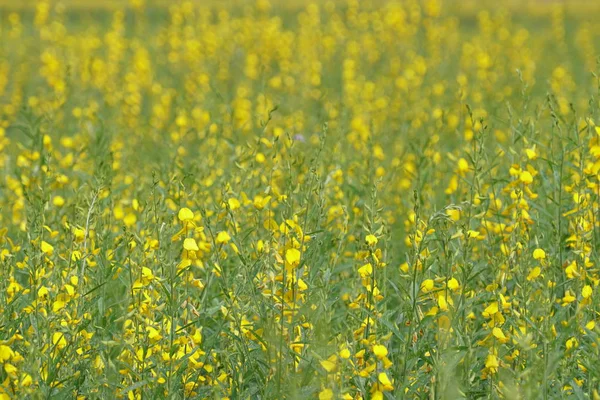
(324, 200)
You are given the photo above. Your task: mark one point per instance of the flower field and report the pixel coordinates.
(299, 200)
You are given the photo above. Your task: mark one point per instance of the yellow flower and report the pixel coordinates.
(58, 304)
(366, 270)
(260, 202)
(377, 395)
(526, 177)
(452, 185)
(471, 234)
(385, 381)
(442, 303)
(453, 213)
(539, 254)
(463, 166)
(491, 363)
(130, 219)
(47, 248)
(185, 215)
(190, 244)
(534, 273)
(147, 275)
(531, 153)
(491, 310)
(586, 292)
(326, 394)
(371, 240)
(58, 201)
(330, 365)
(10, 370)
(153, 334)
(568, 298)
(380, 351)
(427, 285)
(58, 340)
(498, 334)
(345, 353)
(223, 237)
(233, 203)
(453, 284)
(292, 256)
(42, 292)
(26, 380)
(590, 325)
(79, 234)
(6, 353)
